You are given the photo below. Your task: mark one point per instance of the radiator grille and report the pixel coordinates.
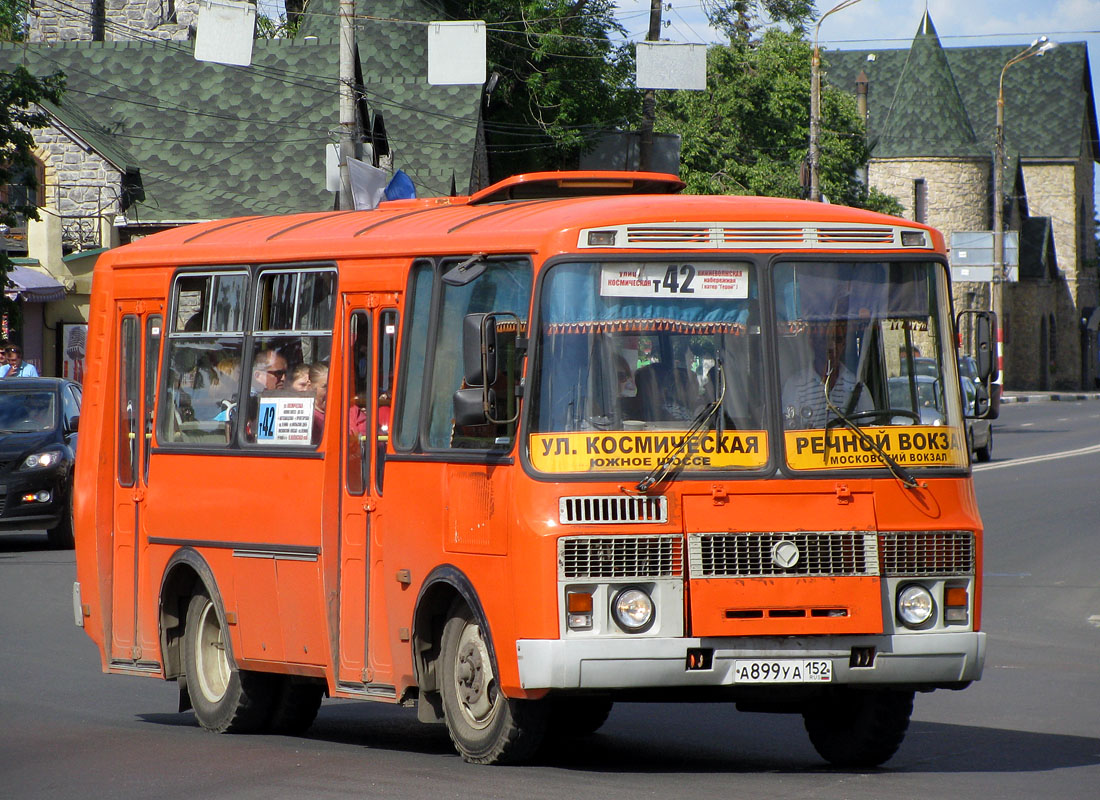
(745, 555)
(596, 557)
(925, 553)
(608, 509)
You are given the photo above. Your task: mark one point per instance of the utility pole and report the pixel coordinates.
(649, 102)
(814, 156)
(349, 132)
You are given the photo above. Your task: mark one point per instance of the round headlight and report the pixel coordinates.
(915, 605)
(633, 610)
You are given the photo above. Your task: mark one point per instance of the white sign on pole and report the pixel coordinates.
(456, 53)
(663, 65)
(224, 32)
(332, 167)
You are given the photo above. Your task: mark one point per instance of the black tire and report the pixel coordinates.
(60, 537)
(985, 453)
(225, 699)
(577, 716)
(297, 701)
(485, 726)
(859, 728)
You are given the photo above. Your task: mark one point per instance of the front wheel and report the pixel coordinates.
(985, 453)
(859, 728)
(225, 699)
(485, 726)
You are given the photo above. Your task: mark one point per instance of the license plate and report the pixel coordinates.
(810, 670)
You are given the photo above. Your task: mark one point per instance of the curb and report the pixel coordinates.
(1050, 397)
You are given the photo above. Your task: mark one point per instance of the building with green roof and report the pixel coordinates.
(147, 137)
(931, 114)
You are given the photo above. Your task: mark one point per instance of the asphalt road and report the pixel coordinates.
(1030, 728)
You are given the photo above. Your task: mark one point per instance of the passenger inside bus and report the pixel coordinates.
(299, 378)
(318, 382)
(825, 381)
(268, 371)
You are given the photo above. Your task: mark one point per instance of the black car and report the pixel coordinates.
(38, 422)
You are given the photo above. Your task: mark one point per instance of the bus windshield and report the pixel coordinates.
(631, 353)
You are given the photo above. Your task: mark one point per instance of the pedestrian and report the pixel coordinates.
(16, 367)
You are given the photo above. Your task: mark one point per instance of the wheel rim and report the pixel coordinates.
(474, 682)
(210, 656)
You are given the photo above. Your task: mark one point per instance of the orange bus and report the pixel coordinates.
(591, 441)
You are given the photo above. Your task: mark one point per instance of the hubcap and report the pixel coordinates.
(475, 685)
(213, 664)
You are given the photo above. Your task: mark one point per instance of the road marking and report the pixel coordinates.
(1026, 424)
(1083, 451)
(1094, 620)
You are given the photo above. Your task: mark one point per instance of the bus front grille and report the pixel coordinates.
(609, 509)
(618, 557)
(927, 553)
(772, 554)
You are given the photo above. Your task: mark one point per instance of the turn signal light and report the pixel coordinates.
(579, 608)
(956, 605)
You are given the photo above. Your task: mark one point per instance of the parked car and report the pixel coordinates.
(979, 432)
(39, 418)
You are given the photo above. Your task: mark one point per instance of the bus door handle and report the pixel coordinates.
(369, 506)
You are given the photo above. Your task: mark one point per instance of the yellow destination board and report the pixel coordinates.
(613, 451)
(909, 445)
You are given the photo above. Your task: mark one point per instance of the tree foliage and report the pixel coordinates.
(561, 80)
(740, 19)
(748, 132)
(20, 91)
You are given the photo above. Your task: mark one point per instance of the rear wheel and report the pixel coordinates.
(485, 726)
(225, 699)
(297, 701)
(577, 716)
(858, 728)
(985, 453)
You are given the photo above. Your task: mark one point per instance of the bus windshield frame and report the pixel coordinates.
(617, 344)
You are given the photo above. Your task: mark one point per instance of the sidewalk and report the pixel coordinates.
(1027, 396)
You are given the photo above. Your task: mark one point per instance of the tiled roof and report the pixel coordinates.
(926, 116)
(214, 141)
(1049, 107)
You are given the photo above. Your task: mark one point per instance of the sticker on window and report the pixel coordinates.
(285, 420)
(688, 281)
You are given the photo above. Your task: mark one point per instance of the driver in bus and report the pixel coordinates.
(826, 380)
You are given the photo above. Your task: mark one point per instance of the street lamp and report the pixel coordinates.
(815, 103)
(1037, 48)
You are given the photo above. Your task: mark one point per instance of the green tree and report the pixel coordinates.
(20, 91)
(748, 132)
(740, 19)
(561, 80)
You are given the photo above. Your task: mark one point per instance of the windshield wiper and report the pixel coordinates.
(665, 466)
(897, 470)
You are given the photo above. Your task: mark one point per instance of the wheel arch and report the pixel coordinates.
(444, 585)
(185, 573)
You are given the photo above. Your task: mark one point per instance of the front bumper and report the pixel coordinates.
(917, 660)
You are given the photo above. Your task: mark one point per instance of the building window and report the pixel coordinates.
(920, 200)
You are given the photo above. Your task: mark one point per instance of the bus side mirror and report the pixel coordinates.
(983, 337)
(470, 406)
(479, 349)
(984, 327)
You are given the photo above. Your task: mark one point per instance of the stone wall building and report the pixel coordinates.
(931, 116)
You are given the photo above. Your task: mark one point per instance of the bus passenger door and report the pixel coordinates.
(139, 328)
(370, 340)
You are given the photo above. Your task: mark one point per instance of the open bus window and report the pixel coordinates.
(648, 347)
(504, 288)
(289, 363)
(203, 355)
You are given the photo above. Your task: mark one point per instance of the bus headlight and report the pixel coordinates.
(915, 605)
(633, 610)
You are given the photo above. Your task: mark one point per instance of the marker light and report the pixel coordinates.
(579, 607)
(632, 609)
(912, 239)
(915, 605)
(601, 238)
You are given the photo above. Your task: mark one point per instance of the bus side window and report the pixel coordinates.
(387, 353)
(205, 335)
(504, 288)
(358, 427)
(295, 308)
(414, 363)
